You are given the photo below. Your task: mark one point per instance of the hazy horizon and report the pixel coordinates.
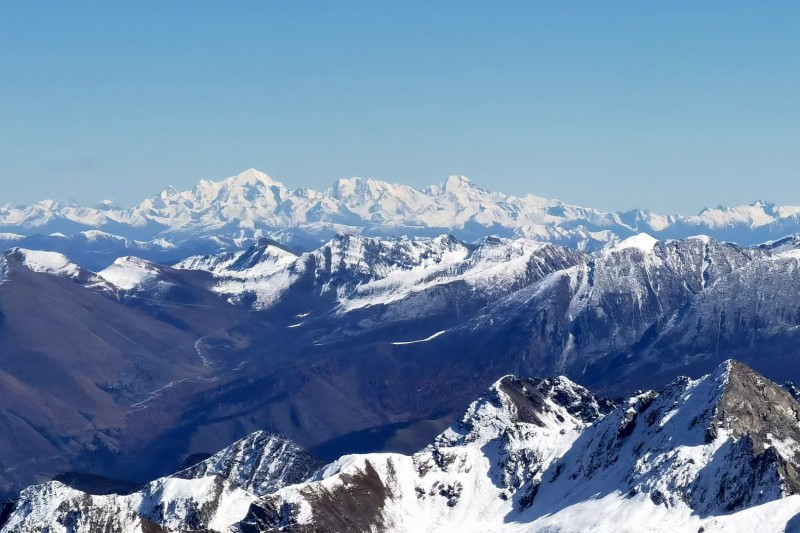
(667, 107)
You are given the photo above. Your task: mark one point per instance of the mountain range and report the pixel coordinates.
(364, 344)
(357, 323)
(718, 453)
(225, 215)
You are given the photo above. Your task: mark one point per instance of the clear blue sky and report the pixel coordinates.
(665, 105)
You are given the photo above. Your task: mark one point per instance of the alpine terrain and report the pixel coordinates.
(362, 320)
(363, 344)
(718, 453)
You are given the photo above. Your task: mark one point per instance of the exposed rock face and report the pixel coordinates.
(768, 416)
(531, 397)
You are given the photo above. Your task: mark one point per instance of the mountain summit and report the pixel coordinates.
(719, 453)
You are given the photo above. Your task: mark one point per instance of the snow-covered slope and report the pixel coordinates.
(720, 453)
(252, 205)
(167, 504)
(129, 272)
(214, 494)
(51, 263)
(47, 262)
(715, 454)
(257, 275)
(357, 272)
(260, 463)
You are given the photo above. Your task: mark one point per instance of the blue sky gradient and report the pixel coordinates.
(663, 105)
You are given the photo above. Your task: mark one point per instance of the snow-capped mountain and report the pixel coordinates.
(260, 463)
(94, 249)
(211, 495)
(356, 272)
(213, 215)
(719, 453)
(570, 307)
(364, 340)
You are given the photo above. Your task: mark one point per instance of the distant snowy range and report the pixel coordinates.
(243, 357)
(227, 214)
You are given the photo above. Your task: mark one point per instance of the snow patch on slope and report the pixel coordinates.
(642, 241)
(426, 339)
(48, 263)
(129, 272)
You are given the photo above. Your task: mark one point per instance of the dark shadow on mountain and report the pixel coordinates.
(402, 437)
(96, 485)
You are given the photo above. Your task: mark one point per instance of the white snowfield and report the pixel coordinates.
(253, 204)
(129, 272)
(48, 262)
(529, 456)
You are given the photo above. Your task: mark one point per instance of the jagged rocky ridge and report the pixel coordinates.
(214, 216)
(213, 494)
(720, 453)
(642, 303)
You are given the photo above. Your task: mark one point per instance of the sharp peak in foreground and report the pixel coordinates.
(712, 454)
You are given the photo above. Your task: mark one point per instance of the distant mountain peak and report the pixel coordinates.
(456, 182)
(641, 241)
(253, 204)
(252, 175)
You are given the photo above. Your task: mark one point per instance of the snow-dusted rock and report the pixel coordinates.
(260, 463)
(212, 495)
(49, 263)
